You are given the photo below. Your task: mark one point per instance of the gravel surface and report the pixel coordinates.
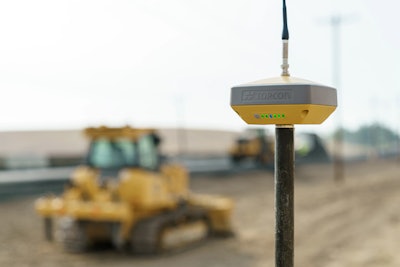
(356, 223)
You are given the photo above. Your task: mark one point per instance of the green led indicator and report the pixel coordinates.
(283, 115)
(262, 116)
(279, 115)
(274, 115)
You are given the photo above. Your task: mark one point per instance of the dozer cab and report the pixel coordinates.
(125, 195)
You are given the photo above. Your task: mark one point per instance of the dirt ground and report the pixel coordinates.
(356, 223)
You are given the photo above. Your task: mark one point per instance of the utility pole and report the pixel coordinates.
(181, 133)
(336, 22)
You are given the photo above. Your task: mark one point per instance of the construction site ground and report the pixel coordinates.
(352, 223)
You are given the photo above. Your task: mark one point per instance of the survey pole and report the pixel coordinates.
(284, 195)
(284, 101)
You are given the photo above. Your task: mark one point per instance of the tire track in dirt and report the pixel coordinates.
(341, 216)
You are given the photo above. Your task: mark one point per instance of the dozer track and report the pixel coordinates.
(170, 231)
(71, 235)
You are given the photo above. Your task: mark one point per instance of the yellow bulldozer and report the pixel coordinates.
(253, 144)
(126, 195)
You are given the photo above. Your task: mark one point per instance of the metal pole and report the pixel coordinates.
(338, 169)
(284, 194)
(180, 127)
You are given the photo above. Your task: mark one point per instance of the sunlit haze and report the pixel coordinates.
(70, 64)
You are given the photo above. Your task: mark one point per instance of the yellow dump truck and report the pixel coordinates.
(126, 195)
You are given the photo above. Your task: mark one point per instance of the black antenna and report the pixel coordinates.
(285, 32)
(285, 43)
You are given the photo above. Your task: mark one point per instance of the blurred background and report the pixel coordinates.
(169, 65)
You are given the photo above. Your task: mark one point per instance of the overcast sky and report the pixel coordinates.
(163, 63)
